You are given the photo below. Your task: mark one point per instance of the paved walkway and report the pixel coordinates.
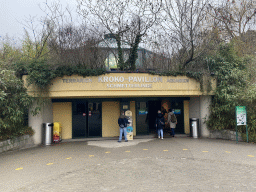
(144, 164)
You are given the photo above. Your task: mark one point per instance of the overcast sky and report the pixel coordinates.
(14, 12)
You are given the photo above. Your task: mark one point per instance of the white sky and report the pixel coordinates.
(14, 12)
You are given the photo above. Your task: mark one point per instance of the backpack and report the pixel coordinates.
(173, 118)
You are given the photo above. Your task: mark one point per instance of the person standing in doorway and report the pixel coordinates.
(172, 120)
(123, 122)
(160, 124)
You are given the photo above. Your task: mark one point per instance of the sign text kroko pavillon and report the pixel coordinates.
(141, 82)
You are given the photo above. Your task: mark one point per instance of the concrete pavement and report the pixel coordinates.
(144, 164)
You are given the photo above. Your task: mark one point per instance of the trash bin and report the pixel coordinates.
(47, 133)
(194, 128)
(57, 136)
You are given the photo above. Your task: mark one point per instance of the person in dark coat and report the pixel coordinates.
(123, 122)
(160, 124)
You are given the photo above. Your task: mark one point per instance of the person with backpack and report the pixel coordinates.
(172, 120)
(123, 122)
(160, 124)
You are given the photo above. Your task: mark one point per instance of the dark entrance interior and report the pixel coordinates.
(153, 107)
(147, 113)
(86, 119)
(177, 105)
(94, 119)
(79, 119)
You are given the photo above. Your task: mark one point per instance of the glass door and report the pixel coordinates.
(142, 118)
(79, 119)
(94, 119)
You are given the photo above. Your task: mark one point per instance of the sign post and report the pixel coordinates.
(241, 119)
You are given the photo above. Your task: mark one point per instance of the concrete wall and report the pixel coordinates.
(205, 103)
(36, 122)
(199, 107)
(194, 107)
(21, 142)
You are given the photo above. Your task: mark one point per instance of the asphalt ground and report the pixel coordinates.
(144, 164)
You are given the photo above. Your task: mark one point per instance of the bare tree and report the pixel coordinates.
(183, 28)
(236, 21)
(234, 17)
(67, 41)
(129, 22)
(73, 46)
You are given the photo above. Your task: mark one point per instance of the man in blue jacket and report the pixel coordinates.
(123, 122)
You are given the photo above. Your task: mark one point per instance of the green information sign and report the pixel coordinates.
(241, 115)
(241, 119)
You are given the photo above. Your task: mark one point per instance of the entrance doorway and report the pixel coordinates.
(147, 113)
(86, 119)
(94, 119)
(177, 106)
(142, 118)
(146, 116)
(79, 119)
(153, 107)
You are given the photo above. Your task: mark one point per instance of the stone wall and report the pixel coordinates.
(24, 141)
(225, 134)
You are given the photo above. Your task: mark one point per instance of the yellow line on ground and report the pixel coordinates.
(127, 151)
(227, 151)
(19, 168)
(107, 152)
(49, 164)
(165, 150)
(185, 149)
(205, 151)
(250, 156)
(68, 158)
(91, 155)
(145, 149)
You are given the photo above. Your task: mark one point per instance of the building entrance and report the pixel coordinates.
(147, 113)
(86, 119)
(153, 107)
(146, 116)
(94, 119)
